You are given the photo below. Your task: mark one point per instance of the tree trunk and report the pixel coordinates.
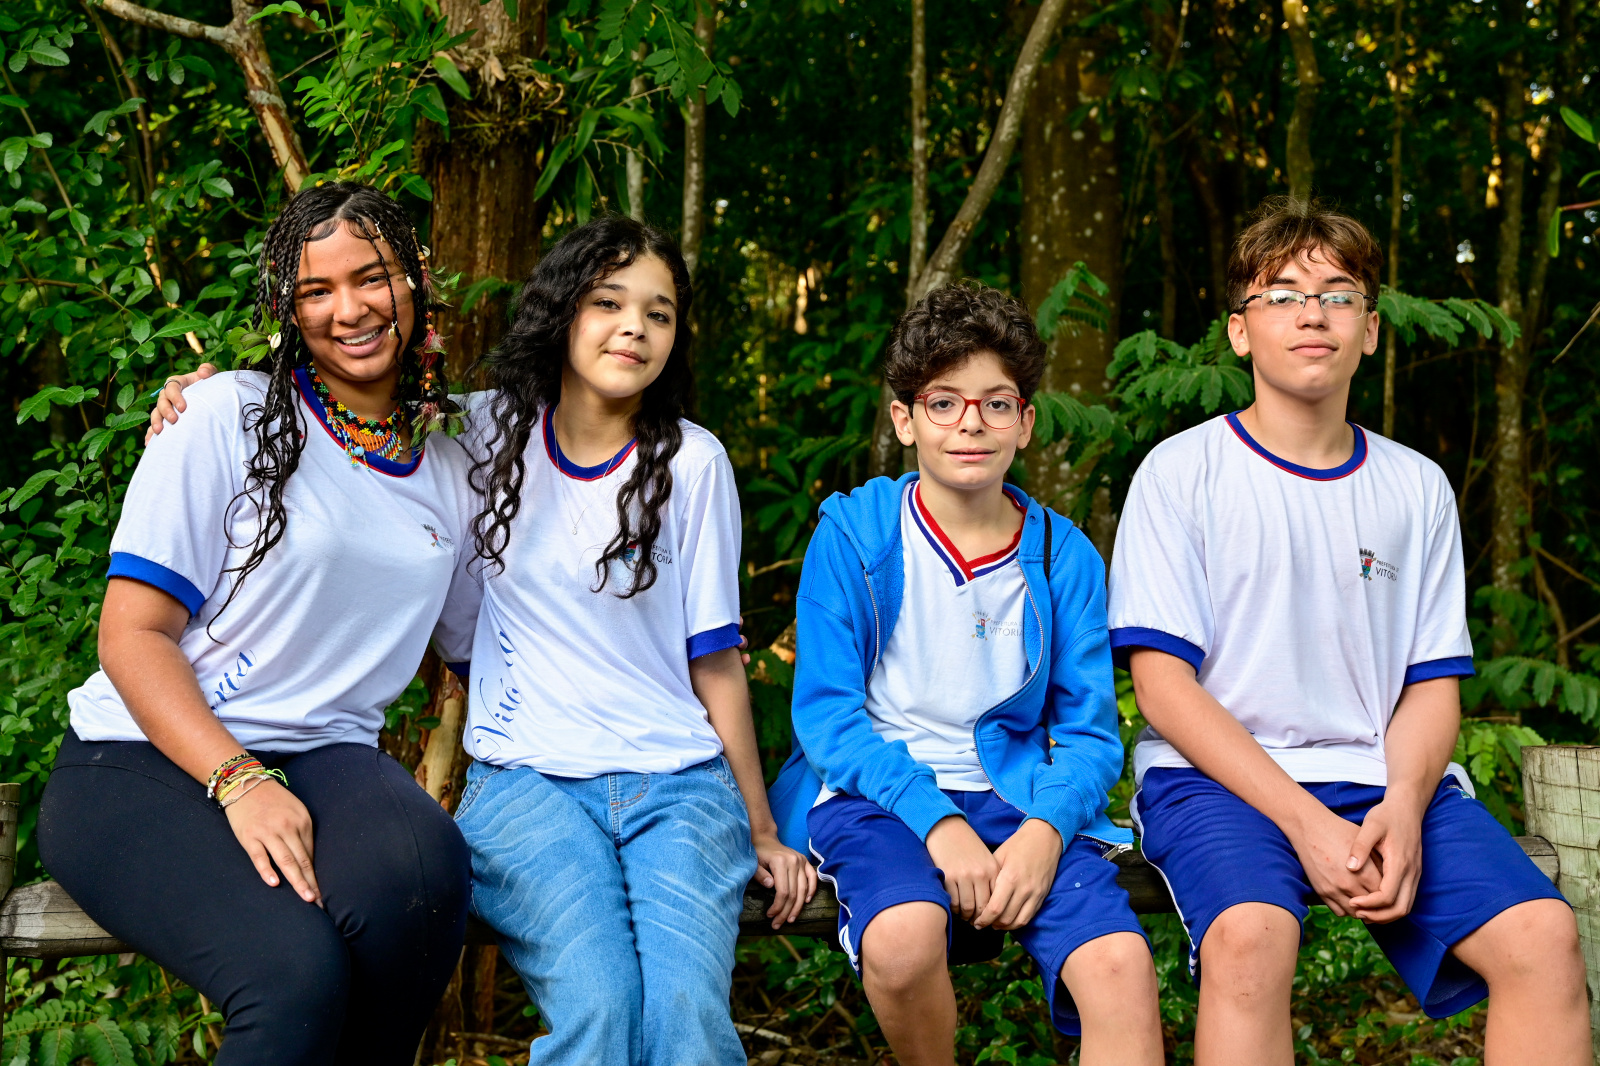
(1071, 210)
(1396, 210)
(241, 39)
(1202, 179)
(485, 221)
(1166, 227)
(694, 150)
(919, 143)
(885, 455)
(635, 162)
(1297, 155)
(1511, 372)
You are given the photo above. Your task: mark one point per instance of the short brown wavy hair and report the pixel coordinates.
(947, 326)
(1282, 229)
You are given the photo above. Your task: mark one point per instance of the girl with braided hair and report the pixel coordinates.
(615, 806)
(283, 558)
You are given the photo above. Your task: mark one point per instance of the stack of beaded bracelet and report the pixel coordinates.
(231, 781)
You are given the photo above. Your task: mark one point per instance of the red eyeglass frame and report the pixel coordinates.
(1022, 405)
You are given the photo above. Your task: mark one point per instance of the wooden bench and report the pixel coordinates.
(40, 921)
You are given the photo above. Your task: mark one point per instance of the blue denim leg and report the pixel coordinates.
(684, 839)
(547, 876)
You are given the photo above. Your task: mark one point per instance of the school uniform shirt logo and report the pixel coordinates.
(1372, 566)
(658, 553)
(984, 626)
(439, 539)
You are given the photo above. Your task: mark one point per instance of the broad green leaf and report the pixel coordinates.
(31, 488)
(451, 74)
(47, 55)
(1578, 124)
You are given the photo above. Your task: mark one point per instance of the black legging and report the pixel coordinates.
(137, 844)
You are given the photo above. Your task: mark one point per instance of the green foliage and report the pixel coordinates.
(388, 59)
(601, 120)
(101, 1011)
(1444, 320)
(1080, 298)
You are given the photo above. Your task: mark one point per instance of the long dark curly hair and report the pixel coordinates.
(526, 370)
(276, 422)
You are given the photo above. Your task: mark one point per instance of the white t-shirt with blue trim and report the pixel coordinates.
(333, 624)
(578, 683)
(955, 652)
(956, 649)
(1306, 600)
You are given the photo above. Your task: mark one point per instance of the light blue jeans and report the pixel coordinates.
(617, 900)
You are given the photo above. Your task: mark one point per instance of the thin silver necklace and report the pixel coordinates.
(566, 490)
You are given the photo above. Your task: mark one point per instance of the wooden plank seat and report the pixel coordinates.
(40, 921)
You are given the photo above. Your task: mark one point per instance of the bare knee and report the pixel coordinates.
(1532, 943)
(1113, 972)
(1249, 952)
(903, 948)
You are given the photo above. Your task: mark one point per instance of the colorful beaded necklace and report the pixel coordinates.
(361, 436)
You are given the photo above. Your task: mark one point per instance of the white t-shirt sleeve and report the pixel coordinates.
(458, 622)
(708, 550)
(1159, 596)
(1442, 646)
(173, 533)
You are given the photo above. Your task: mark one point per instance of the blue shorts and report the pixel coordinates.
(875, 862)
(1216, 851)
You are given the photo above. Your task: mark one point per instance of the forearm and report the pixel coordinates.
(1191, 720)
(719, 682)
(1421, 737)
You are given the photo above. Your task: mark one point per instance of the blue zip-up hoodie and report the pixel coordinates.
(850, 592)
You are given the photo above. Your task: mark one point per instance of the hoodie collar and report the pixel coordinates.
(869, 517)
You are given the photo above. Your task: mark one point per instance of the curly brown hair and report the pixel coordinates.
(1281, 229)
(948, 326)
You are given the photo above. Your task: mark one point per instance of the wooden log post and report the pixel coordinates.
(10, 801)
(1561, 785)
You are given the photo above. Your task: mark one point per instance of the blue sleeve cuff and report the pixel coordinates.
(712, 640)
(180, 588)
(1459, 666)
(461, 670)
(1124, 640)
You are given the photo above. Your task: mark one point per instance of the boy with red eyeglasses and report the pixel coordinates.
(1289, 592)
(954, 713)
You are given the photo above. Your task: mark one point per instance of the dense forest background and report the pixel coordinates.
(824, 161)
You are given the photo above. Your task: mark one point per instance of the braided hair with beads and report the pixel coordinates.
(276, 423)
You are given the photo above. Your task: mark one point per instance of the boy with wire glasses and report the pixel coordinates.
(954, 714)
(1288, 592)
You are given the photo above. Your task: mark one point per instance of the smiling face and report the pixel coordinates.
(1306, 355)
(343, 307)
(624, 330)
(969, 455)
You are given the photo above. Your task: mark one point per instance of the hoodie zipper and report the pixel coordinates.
(877, 630)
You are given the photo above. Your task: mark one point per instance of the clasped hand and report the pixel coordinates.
(1368, 871)
(1003, 888)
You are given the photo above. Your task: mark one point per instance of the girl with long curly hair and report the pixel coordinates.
(282, 560)
(615, 806)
